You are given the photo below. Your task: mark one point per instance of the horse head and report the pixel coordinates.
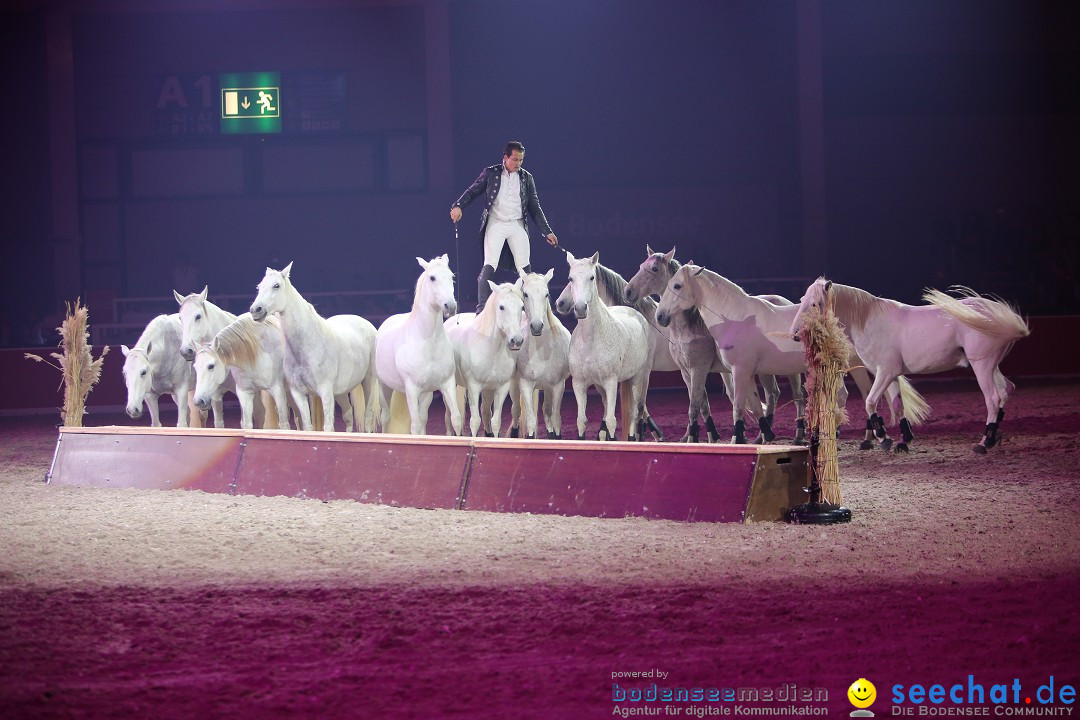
(535, 295)
(210, 372)
(435, 286)
(582, 283)
(679, 295)
(138, 377)
(651, 277)
(273, 293)
(508, 306)
(195, 326)
(815, 297)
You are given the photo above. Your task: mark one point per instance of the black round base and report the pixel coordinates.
(818, 513)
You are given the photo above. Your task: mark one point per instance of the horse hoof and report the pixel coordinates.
(527, 437)
(866, 445)
(901, 447)
(886, 444)
(513, 432)
(739, 440)
(488, 435)
(979, 449)
(580, 437)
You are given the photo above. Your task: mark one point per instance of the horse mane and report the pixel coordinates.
(238, 342)
(692, 315)
(615, 285)
(673, 265)
(162, 328)
(485, 320)
(853, 306)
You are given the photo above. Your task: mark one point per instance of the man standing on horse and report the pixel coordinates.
(509, 197)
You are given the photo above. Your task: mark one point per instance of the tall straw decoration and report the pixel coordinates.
(827, 351)
(80, 370)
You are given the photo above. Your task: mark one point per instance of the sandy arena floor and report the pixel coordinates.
(124, 603)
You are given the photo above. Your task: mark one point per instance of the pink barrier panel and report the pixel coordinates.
(152, 458)
(612, 479)
(380, 469)
(713, 483)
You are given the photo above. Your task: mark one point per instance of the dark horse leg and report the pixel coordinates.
(990, 436)
(739, 438)
(905, 430)
(710, 427)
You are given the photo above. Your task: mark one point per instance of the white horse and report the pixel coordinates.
(894, 338)
(413, 353)
(694, 350)
(326, 358)
(543, 361)
(750, 335)
(608, 346)
(485, 348)
(253, 355)
(200, 321)
(154, 367)
(611, 287)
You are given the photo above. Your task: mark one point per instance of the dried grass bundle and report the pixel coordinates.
(827, 352)
(80, 370)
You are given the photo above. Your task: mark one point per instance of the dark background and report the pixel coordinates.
(889, 145)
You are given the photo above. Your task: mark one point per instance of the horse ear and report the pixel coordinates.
(648, 250)
(179, 297)
(549, 274)
(570, 257)
(595, 258)
(828, 285)
(445, 257)
(521, 274)
(493, 286)
(124, 349)
(287, 269)
(669, 255)
(699, 271)
(423, 262)
(205, 290)
(149, 347)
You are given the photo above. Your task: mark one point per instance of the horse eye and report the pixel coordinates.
(547, 295)
(502, 307)
(210, 366)
(526, 294)
(677, 286)
(432, 278)
(198, 317)
(656, 269)
(592, 277)
(143, 372)
(277, 285)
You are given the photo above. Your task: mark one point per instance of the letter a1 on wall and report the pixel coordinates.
(250, 102)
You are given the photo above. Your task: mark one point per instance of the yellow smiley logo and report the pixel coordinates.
(862, 693)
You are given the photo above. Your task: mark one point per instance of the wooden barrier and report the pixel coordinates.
(712, 483)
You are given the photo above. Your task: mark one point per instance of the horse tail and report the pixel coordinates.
(994, 318)
(916, 409)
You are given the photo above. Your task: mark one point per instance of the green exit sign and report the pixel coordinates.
(250, 102)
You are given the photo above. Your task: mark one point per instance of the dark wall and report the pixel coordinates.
(26, 269)
(644, 122)
(170, 203)
(951, 147)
